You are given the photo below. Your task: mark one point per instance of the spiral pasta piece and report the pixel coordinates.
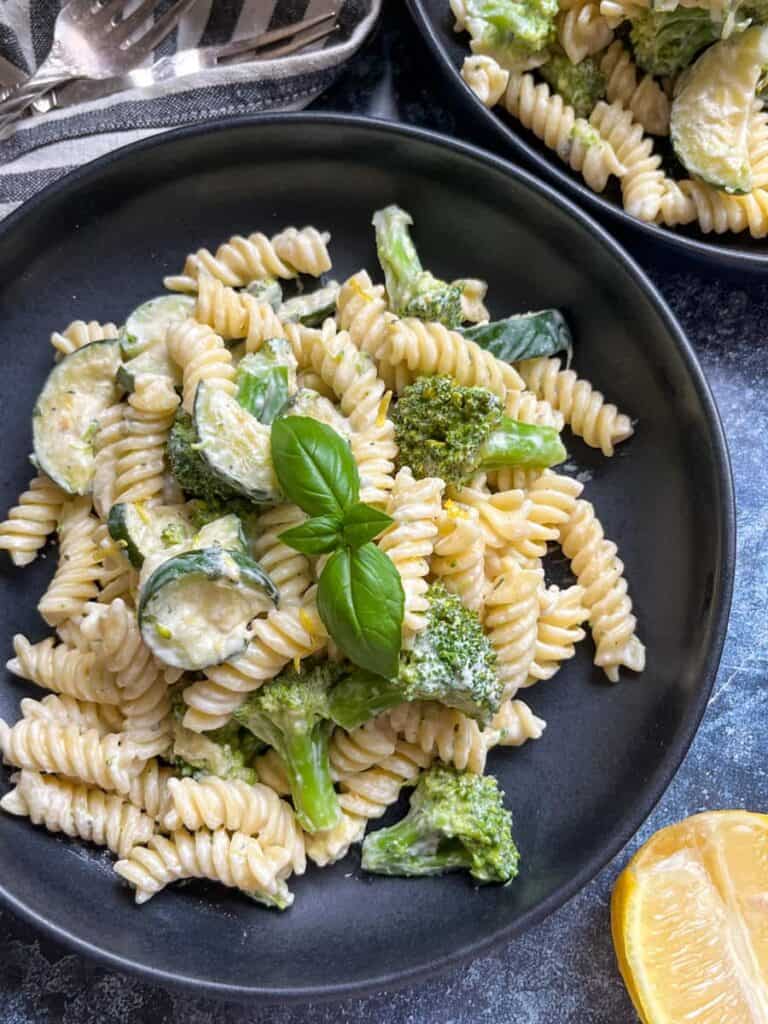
(80, 333)
(441, 732)
(29, 523)
(236, 860)
(642, 184)
(601, 573)
(511, 615)
(645, 98)
(140, 678)
(62, 709)
(202, 355)
(553, 498)
(515, 724)
(558, 630)
(362, 311)
(241, 260)
(582, 30)
(109, 435)
(289, 569)
(140, 466)
(487, 79)
(118, 577)
(526, 407)
(285, 635)
(554, 122)
(271, 772)
(509, 532)
(686, 201)
(361, 748)
(75, 581)
(63, 670)
(365, 795)
(79, 811)
(149, 789)
(236, 806)
(105, 761)
(232, 314)
(459, 554)
(622, 10)
(414, 348)
(586, 412)
(415, 506)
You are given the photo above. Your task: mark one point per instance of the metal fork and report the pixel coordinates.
(92, 41)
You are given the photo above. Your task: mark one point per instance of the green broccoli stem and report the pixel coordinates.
(362, 696)
(397, 253)
(521, 444)
(405, 849)
(305, 756)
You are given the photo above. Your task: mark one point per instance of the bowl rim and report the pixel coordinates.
(722, 591)
(704, 251)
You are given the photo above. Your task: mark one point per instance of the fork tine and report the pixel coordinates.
(273, 35)
(104, 15)
(298, 42)
(75, 9)
(125, 28)
(162, 27)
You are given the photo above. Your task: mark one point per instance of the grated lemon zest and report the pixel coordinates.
(381, 417)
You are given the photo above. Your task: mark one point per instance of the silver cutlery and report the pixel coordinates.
(188, 62)
(93, 42)
(10, 77)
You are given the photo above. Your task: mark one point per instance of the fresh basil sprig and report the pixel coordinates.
(360, 595)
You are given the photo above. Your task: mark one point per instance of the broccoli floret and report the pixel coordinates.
(665, 42)
(187, 464)
(580, 85)
(451, 661)
(173, 534)
(447, 430)
(456, 821)
(412, 291)
(511, 31)
(227, 752)
(291, 714)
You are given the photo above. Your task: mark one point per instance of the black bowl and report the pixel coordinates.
(738, 252)
(98, 242)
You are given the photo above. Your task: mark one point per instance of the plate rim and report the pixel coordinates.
(710, 253)
(722, 591)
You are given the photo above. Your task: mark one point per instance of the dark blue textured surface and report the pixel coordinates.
(562, 971)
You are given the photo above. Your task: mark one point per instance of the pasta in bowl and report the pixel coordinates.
(241, 816)
(614, 91)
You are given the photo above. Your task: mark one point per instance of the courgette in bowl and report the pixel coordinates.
(143, 531)
(195, 608)
(77, 392)
(234, 445)
(148, 323)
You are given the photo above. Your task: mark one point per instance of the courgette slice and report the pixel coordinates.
(149, 321)
(146, 531)
(234, 445)
(266, 379)
(195, 608)
(523, 336)
(711, 111)
(154, 359)
(311, 309)
(267, 289)
(225, 532)
(307, 402)
(77, 392)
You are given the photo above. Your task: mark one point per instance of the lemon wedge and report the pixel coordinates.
(689, 917)
(709, 119)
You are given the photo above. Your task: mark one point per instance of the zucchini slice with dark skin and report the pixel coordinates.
(311, 309)
(77, 392)
(235, 446)
(266, 379)
(143, 531)
(154, 359)
(523, 336)
(148, 323)
(195, 608)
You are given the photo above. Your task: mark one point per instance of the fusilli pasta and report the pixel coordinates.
(582, 30)
(75, 581)
(64, 710)
(63, 669)
(290, 570)
(80, 333)
(511, 614)
(645, 98)
(29, 523)
(202, 355)
(561, 613)
(642, 184)
(459, 554)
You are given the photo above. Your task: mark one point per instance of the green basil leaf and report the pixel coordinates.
(314, 466)
(363, 523)
(315, 537)
(524, 336)
(361, 602)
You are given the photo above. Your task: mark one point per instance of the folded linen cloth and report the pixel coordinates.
(47, 146)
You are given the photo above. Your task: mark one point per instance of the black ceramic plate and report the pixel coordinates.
(99, 242)
(436, 22)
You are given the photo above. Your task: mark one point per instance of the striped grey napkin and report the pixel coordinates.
(46, 147)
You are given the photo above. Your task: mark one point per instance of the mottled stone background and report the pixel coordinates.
(563, 971)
